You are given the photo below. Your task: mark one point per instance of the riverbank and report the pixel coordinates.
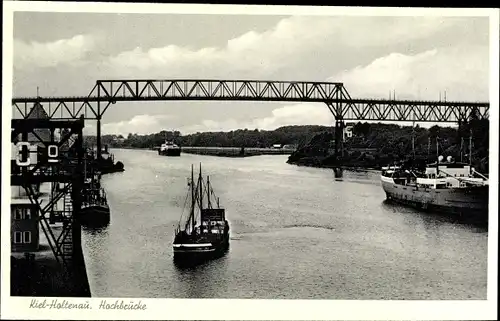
(354, 168)
(235, 151)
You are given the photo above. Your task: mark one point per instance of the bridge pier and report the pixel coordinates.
(339, 145)
(98, 143)
(339, 138)
(99, 116)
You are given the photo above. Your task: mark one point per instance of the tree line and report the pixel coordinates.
(377, 145)
(288, 135)
(372, 144)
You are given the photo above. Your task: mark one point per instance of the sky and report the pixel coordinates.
(416, 57)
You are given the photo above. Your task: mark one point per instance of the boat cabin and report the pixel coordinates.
(449, 175)
(25, 236)
(452, 169)
(213, 221)
(388, 171)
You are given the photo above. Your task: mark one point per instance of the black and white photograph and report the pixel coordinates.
(263, 154)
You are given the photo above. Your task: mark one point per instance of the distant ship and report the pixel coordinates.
(169, 148)
(207, 239)
(449, 187)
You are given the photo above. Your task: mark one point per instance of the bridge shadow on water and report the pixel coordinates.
(430, 217)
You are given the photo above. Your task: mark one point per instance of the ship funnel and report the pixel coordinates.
(440, 158)
(449, 159)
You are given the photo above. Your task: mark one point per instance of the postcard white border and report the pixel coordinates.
(17, 308)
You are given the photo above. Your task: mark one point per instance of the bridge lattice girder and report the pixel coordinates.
(337, 98)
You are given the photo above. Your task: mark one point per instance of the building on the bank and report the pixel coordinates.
(348, 128)
(24, 228)
(36, 144)
(25, 235)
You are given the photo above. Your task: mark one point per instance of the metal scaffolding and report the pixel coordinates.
(57, 160)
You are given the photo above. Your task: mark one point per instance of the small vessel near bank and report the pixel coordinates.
(169, 148)
(444, 186)
(106, 164)
(208, 238)
(94, 211)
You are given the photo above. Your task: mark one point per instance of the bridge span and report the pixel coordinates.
(333, 94)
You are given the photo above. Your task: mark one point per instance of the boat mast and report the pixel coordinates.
(208, 192)
(461, 149)
(200, 180)
(413, 140)
(428, 147)
(192, 198)
(437, 156)
(470, 151)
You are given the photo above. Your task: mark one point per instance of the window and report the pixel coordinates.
(18, 215)
(27, 237)
(22, 214)
(22, 237)
(17, 237)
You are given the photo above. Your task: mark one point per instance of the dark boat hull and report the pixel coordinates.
(195, 253)
(95, 215)
(170, 152)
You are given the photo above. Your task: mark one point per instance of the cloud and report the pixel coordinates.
(458, 70)
(140, 124)
(418, 57)
(298, 114)
(51, 54)
(461, 71)
(291, 42)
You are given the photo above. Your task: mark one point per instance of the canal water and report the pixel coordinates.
(296, 233)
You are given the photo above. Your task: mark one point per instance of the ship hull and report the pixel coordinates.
(191, 253)
(95, 215)
(471, 201)
(170, 152)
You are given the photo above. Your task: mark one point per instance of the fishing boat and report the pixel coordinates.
(208, 238)
(94, 211)
(444, 186)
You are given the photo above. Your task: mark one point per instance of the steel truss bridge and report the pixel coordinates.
(334, 95)
(338, 100)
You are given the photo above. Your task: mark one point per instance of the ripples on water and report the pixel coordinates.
(296, 233)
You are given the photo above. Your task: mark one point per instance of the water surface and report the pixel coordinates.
(296, 233)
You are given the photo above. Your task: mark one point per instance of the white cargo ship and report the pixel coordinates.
(449, 186)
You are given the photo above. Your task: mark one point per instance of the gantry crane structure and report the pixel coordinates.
(59, 161)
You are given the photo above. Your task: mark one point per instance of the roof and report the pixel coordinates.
(38, 112)
(20, 201)
(449, 163)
